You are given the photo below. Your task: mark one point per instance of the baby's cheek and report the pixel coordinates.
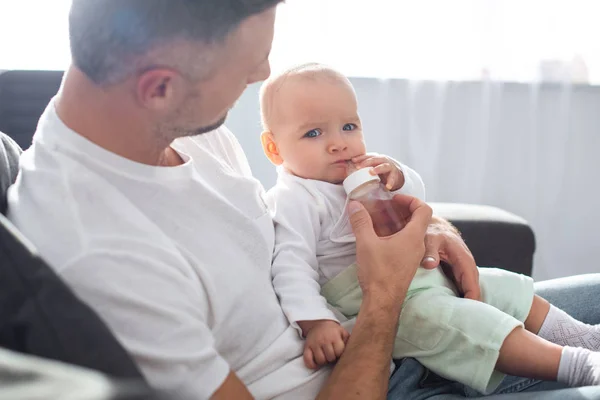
(312, 169)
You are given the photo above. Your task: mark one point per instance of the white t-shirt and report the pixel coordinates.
(314, 241)
(176, 260)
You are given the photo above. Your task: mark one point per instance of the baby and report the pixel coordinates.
(312, 132)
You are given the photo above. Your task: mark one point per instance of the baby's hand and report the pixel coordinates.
(385, 167)
(325, 342)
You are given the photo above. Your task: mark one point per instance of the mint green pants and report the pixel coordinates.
(456, 338)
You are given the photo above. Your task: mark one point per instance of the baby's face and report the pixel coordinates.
(318, 129)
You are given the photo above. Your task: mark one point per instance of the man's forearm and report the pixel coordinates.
(363, 371)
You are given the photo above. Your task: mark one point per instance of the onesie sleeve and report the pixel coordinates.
(295, 269)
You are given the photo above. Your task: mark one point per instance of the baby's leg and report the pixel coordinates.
(527, 355)
(513, 294)
(537, 314)
(558, 327)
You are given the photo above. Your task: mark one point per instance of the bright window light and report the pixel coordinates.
(515, 40)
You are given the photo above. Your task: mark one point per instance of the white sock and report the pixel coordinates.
(579, 367)
(560, 328)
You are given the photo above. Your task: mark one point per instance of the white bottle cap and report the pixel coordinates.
(359, 178)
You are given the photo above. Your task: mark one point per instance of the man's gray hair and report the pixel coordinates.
(109, 37)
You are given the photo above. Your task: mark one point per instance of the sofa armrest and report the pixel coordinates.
(497, 238)
(9, 166)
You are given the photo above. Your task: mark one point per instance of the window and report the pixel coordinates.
(34, 34)
(515, 40)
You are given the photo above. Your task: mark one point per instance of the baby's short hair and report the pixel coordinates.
(276, 82)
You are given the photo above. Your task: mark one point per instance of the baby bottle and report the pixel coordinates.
(368, 189)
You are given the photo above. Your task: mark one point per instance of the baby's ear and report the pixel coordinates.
(270, 148)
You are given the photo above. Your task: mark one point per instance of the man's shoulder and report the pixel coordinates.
(63, 207)
(221, 144)
(220, 141)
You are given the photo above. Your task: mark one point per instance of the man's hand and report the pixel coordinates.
(387, 265)
(325, 342)
(443, 243)
(391, 176)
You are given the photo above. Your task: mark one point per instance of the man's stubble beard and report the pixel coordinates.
(171, 133)
(209, 128)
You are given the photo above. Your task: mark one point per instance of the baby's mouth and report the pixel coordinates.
(346, 161)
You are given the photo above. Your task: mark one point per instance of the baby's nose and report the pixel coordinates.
(337, 145)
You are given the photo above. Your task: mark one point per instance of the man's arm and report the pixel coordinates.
(386, 268)
(156, 311)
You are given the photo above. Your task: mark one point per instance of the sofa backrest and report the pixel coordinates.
(23, 97)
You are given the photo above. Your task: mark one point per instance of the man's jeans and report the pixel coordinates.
(579, 296)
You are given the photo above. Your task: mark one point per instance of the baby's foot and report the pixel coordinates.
(579, 367)
(594, 371)
(560, 328)
(578, 334)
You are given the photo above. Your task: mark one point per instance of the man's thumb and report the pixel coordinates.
(360, 219)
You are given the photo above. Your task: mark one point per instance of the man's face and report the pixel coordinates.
(242, 59)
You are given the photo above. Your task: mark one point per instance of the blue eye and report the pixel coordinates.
(349, 127)
(313, 134)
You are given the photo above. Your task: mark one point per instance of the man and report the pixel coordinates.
(146, 206)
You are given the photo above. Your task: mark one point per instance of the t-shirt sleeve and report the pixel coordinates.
(155, 307)
(295, 266)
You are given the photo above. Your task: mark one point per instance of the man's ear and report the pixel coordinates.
(159, 89)
(270, 148)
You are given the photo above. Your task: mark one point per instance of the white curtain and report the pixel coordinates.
(531, 149)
